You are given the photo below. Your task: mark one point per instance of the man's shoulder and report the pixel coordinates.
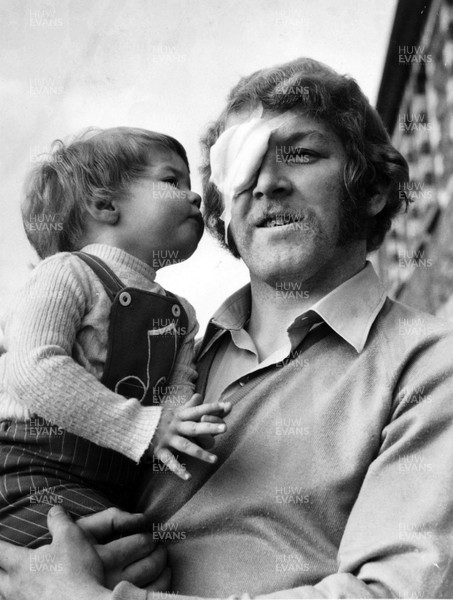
(406, 327)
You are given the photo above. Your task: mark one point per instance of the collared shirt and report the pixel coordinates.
(350, 310)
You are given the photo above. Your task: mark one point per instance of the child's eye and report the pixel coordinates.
(172, 181)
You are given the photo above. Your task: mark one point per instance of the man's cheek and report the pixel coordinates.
(236, 236)
(240, 223)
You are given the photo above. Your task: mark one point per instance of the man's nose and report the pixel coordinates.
(271, 182)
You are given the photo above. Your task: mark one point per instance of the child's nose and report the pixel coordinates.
(195, 198)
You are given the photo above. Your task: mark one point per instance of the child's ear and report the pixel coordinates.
(377, 203)
(104, 211)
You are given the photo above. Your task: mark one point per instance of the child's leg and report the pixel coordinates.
(24, 521)
(41, 465)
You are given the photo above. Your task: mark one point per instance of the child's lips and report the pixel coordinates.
(197, 217)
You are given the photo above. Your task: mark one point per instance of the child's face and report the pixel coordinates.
(160, 219)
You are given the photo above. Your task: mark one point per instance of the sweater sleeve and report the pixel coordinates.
(42, 375)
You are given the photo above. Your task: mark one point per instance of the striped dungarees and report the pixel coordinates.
(42, 464)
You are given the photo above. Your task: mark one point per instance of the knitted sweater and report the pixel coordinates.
(56, 341)
(335, 477)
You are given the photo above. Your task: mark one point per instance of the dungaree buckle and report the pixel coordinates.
(125, 298)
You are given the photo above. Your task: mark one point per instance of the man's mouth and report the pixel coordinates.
(280, 220)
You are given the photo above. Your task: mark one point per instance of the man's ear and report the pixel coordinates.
(104, 211)
(377, 203)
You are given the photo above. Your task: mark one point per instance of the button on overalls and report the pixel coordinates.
(41, 464)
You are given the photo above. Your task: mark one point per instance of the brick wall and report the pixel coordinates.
(416, 260)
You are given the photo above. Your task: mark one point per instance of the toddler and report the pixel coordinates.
(94, 344)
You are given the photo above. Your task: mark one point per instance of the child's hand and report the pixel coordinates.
(208, 441)
(178, 424)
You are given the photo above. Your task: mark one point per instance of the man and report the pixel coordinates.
(334, 479)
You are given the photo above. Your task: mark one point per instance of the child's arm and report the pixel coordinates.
(42, 375)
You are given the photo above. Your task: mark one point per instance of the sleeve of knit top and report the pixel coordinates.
(42, 375)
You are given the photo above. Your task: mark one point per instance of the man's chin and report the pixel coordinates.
(288, 268)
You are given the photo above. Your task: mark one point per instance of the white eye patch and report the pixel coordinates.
(237, 155)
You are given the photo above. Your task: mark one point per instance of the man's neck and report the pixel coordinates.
(274, 306)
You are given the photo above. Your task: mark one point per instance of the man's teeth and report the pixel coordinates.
(279, 221)
(274, 223)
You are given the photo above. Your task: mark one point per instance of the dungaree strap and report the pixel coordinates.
(110, 281)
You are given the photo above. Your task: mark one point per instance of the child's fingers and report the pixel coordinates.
(227, 406)
(169, 459)
(206, 441)
(183, 445)
(210, 419)
(222, 408)
(195, 400)
(195, 413)
(192, 429)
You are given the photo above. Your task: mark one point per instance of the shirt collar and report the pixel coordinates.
(235, 311)
(350, 309)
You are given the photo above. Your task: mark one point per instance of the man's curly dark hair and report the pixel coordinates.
(373, 164)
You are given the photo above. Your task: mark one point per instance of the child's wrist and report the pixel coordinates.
(157, 432)
(148, 455)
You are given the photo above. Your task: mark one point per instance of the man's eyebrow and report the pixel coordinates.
(299, 135)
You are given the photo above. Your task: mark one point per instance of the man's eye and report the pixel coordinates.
(296, 155)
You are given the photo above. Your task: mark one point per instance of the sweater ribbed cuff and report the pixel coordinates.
(140, 438)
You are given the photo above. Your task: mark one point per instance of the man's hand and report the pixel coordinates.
(126, 551)
(66, 569)
(70, 567)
